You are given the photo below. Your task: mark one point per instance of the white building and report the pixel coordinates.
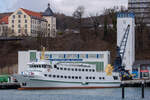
(100, 58)
(123, 20)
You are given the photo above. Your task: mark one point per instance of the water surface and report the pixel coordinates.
(74, 94)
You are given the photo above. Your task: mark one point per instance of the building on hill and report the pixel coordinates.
(141, 8)
(24, 22)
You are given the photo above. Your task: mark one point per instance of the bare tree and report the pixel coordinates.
(95, 22)
(78, 14)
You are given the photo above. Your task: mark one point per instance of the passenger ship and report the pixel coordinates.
(41, 75)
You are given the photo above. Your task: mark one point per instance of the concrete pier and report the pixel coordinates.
(9, 85)
(136, 83)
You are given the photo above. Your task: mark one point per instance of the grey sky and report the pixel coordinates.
(63, 6)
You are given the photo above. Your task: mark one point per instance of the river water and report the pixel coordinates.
(74, 94)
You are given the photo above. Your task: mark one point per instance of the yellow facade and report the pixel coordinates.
(22, 24)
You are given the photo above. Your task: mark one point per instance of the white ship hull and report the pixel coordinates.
(38, 83)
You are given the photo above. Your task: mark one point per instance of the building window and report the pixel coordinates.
(19, 26)
(19, 21)
(12, 21)
(26, 21)
(24, 16)
(19, 16)
(26, 26)
(12, 26)
(49, 25)
(19, 30)
(13, 16)
(26, 31)
(12, 30)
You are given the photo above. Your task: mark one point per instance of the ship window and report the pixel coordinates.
(72, 69)
(45, 75)
(61, 76)
(54, 76)
(72, 77)
(39, 66)
(55, 66)
(79, 77)
(49, 75)
(57, 76)
(93, 70)
(100, 78)
(90, 70)
(86, 69)
(86, 77)
(76, 69)
(44, 66)
(69, 69)
(76, 77)
(115, 77)
(79, 69)
(83, 70)
(69, 77)
(61, 68)
(65, 68)
(103, 77)
(93, 77)
(65, 76)
(90, 77)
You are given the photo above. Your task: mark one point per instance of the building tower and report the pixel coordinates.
(51, 25)
(123, 20)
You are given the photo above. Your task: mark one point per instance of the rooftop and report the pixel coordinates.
(48, 11)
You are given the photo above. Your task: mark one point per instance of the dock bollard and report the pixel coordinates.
(122, 90)
(142, 89)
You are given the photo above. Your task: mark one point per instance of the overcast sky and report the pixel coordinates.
(62, 6)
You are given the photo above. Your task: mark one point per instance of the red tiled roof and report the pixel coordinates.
(31, 13)
(4, 20)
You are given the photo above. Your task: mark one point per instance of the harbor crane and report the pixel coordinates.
(118, 63)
